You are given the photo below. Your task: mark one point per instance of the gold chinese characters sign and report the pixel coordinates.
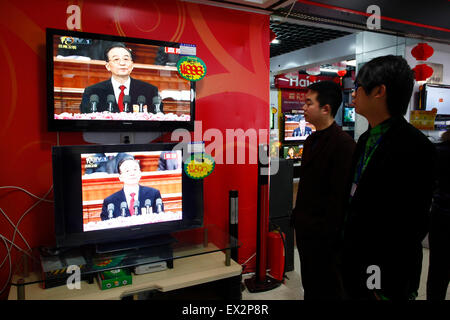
(423, 120)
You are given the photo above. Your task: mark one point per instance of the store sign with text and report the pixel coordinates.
(299, 81)
(292, 99)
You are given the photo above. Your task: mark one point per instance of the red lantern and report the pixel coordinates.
(342, 73)
(422, 51)
(422, 72)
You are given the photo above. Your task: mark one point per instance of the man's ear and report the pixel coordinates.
(108, 67)
(326, 108)
(379, 91)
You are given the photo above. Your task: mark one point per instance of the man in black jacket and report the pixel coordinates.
(119, 61)
(318, 214)
(391, 188)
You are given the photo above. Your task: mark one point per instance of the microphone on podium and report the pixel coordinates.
(110, 100)
(110, 210)
(148, 204)
(123, 207)
(93, 102)
(157, 103)
(136, 207)
(141, 100)
(158, 205)
(126, 103)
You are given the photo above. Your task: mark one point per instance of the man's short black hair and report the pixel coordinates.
(117, 45)
(328, 92)
(395, 73)
(130, 157)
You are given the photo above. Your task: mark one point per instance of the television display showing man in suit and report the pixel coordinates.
(121, 92)
(302, 130)
(132, 199)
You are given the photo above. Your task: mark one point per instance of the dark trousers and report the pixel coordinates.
(319, 269)
(439, 267)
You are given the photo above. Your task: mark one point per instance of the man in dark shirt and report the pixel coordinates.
(318, 214)
(391, 188)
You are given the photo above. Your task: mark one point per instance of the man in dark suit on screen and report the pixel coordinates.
(302, 129)
(132, 199)
(121, 92)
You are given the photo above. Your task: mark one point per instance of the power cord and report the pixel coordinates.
(16, 230)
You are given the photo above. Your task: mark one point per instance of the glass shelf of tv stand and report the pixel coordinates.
(198, 241)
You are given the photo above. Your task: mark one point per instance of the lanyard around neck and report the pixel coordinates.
(366, 158)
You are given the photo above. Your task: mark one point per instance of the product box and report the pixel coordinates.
(114, 278)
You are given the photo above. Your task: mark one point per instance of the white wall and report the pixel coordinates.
(441, 55)
(370, 45)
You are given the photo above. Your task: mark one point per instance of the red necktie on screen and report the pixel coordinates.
(132, 203)
(122, 93)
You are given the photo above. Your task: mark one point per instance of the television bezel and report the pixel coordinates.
(107, 125)
(68, 198)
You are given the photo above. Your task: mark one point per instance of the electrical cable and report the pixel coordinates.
(27, 192)
(14, 226)
(16, 230)
(29, 209)
(8, 255)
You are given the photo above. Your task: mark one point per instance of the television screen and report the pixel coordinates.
(296, 128)
(294, 152)
(436, 96)
(107, 193)
(108, 83)
(349, 115)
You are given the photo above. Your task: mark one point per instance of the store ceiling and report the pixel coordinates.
(291, 36)
(294, 36)
(256, 4)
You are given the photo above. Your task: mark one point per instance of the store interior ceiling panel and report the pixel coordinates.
(293, 36)
(266, 5)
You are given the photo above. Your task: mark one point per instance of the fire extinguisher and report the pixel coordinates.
(276, 254)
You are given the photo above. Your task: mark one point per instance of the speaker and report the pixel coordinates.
(281, 189)
(233, 211)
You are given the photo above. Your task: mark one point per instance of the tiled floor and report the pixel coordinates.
(292, 288)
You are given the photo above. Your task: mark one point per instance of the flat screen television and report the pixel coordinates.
(84, 83)
(294, 152)
(436, 96)
(94, 186)
(295, 127)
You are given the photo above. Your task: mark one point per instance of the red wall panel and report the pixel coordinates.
(234, 94)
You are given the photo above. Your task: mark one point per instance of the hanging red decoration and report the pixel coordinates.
(422, 51)
(422, 72)
(342, 73)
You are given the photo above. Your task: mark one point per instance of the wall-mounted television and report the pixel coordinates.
(112, 193)
(436, 96)
(100, 82)
(296, 128)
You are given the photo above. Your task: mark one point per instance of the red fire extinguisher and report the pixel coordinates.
(275, 254)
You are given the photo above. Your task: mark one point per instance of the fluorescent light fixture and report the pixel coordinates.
(275, 41)
(328, 70)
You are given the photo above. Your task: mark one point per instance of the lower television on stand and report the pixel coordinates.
(120, 197)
